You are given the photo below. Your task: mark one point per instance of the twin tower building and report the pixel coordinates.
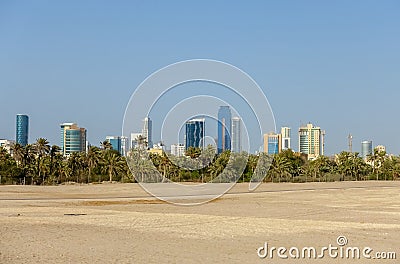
(228, 132)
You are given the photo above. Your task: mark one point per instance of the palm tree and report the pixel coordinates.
(357, 166)
(280, 167)
(134, 161)
(205, 159)
(29, 153)
(53, 152)
(320, 166)
(106, 145)
(193, 152)
(376, 159)
(114, 165)
(218, 166)
(391, 166)
(7, 164)
(58, 164)
(125, 170)
(44, 167)
(350, 164)
(74, 164)
(18, 153)
(263, 164)
(164, 165)
(93, 158)
(296, 161)
(66, 169)
(252, 161)
(42, 148)
(343, 161)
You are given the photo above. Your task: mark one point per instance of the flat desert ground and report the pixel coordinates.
(121, 223)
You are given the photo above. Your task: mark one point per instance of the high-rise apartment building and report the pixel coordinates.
(195, 132)
(366, 149)
(285, 137)
(147, 131)
(73, 138)
(311, 141)
(178, 150)
(224, 128)
(272, 143)
(275, 143)
(236, 137)
(22, 129)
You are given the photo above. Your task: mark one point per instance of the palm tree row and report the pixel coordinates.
(286, 166)
(40, 163)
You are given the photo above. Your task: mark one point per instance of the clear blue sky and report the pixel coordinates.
(333, 63)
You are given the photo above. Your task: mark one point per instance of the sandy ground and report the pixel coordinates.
(120, 223)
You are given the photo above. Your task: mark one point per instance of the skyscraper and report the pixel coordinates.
(115, 142)
(366, 149)
(22, 129)
(195, 131)
(147, 131)
(272, 143)
(224, 128)
(73, 138)
(124, 146)
(311, 141)
(236, 137)
(285, 137)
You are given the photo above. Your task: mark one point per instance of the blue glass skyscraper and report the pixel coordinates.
(22, 129)
(224, 128)
(195, 131)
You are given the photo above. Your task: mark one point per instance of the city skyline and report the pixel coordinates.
(273, 143)
(312, 65)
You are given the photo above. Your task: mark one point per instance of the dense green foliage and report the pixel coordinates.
(41, 164)
(44, 165)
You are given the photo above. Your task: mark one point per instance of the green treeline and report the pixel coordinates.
(42, 164)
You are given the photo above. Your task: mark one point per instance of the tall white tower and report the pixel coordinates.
(147, 131)
(285, 137)
(236, 144)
